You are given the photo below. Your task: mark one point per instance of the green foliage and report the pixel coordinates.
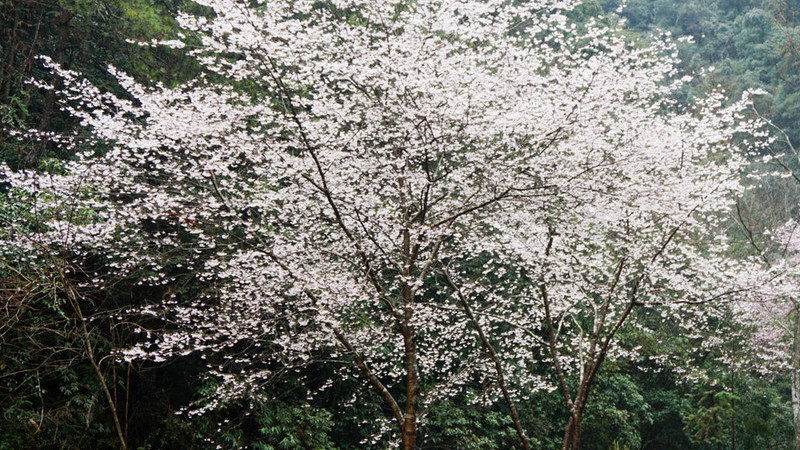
(50, 397)
(284, 426)
(14, 113)
(453, 426)
(668, 406)
(763, 418)
(711, 422)
(751, 44)
(616, 413)
(275, 425)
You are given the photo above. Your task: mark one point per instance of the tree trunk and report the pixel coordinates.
(61, 23)
(409, 441)
(7, 70)
(409, 437)
(572, 434)
(796, 376)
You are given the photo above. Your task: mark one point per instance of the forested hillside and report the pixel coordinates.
(416, 224)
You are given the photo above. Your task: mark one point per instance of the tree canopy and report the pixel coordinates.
(420, 224)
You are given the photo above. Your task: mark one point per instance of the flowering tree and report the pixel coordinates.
(773, 309)
(381, 180)
(638, 231)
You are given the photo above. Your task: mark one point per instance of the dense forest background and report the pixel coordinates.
(60, 386)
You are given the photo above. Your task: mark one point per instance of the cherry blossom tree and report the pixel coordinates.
(773, 309)
(635, 232)
(385, 182)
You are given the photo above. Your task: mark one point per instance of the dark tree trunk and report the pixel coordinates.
(409, 438)
(572, 434)
(61, 23)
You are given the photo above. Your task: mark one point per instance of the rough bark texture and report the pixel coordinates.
(572, 434)
(409, 438)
